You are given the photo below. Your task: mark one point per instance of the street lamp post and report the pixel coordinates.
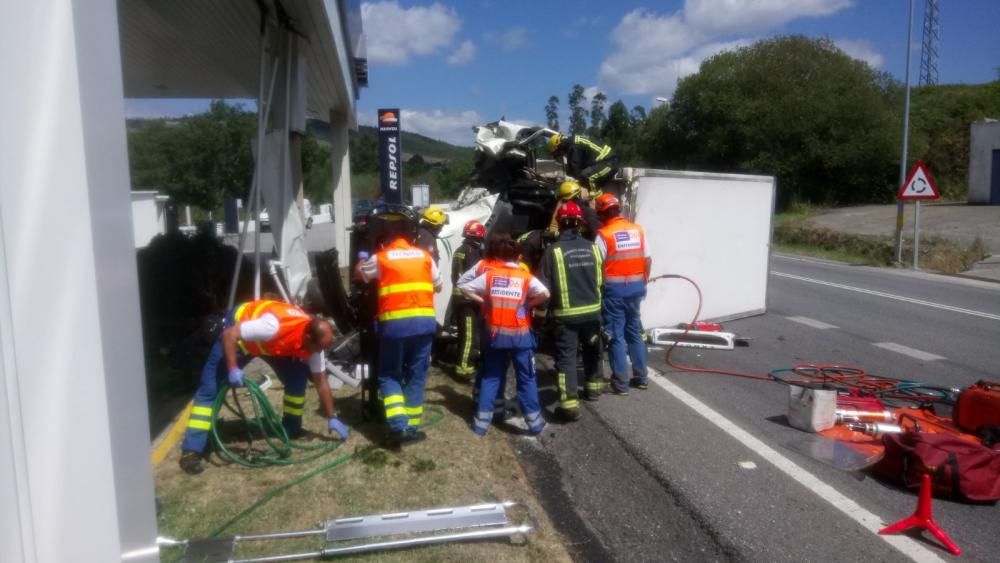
(906, 136)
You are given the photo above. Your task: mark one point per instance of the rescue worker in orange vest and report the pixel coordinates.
(489, 262)
(627, 263)
(464, 311)
(507, 293)
(407, 279)
(290, 341)
(573, 269)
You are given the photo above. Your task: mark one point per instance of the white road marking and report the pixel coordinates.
(868, 520)
(932, 304)
(811, 322)
(747, 465)
(907, 351)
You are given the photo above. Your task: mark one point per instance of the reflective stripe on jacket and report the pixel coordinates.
(292, 323)
(506, 312)
(625, 261)
(405, 290)
(573, 270)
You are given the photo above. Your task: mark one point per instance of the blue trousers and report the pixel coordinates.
(491, 384)
(621, 320)
(402, 375)
(293, 373)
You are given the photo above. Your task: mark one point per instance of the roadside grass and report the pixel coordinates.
(794, 234)
(451, 468)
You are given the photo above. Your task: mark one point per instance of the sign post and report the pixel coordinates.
(390, 156)
(918, 186)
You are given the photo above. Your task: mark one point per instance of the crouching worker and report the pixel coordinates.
(292, 343)
(507, 294)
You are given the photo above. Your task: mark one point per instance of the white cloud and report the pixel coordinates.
(453, 127)
(466, 53)
(654, 50)
(861, 49)
(720, 17)
(394, 34)
(510, 40)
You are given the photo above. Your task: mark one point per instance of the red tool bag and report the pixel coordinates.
(978, 405)
(959, 469)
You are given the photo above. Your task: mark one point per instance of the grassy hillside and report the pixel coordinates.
(432, 150)
(940, 117)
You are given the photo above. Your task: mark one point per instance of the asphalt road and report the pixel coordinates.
(649, 477)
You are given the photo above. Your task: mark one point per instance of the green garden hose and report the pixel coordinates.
(265, 424)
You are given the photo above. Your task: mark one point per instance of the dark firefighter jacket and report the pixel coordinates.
(572, 270)
(468, 254)
(591, 163)
(428, 241)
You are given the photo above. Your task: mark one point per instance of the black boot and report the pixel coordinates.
(191, 463)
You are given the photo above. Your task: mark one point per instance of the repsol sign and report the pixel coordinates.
(390, 156)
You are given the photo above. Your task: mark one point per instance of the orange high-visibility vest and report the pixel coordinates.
(292, 323)
(626, 258)
(405, 285)
(487, 264)
(506, 293)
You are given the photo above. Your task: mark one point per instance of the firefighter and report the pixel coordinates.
(431, 222)
(292, 343)
(625, 250)
(464, 311)
(507, 293)
(572, 191)
(407, 279)
(573, 269)
(594, 164)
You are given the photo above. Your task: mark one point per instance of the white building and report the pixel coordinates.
(75, 477)
(984, 162)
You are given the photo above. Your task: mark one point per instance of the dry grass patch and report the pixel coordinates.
(451, 468)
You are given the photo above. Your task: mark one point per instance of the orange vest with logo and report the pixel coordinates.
(292, 323)
(506, 293)
(487, 264)
(626, 258)
(405, 284)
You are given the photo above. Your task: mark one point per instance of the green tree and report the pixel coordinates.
(638, 115)
(824, 124)
(597, 117)
(197, 160)
(619, 131)
(317, 171)
(577, 113)
(552, 113)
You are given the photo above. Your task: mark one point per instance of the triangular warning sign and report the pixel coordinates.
(919, 184)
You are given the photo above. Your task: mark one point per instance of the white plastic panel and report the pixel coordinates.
(712, 228)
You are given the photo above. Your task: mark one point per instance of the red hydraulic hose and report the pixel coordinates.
(688, 328)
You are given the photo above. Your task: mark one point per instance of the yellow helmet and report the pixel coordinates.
(435, 216)
(554, 141)
(569, 190)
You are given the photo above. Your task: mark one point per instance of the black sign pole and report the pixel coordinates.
(390, 153)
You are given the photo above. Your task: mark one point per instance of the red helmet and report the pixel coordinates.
(607, 202)
(474, 229)
(569, 211)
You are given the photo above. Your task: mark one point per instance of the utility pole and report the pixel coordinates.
(928, 47)
(906, 137)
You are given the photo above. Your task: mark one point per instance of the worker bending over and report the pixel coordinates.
(407, 279)
(573, 269)
(291, 342)
(625, 250)
(465, 311)
(593, 163)
(507, 293)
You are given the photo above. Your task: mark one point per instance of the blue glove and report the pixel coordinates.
(335, 425)
(236, 377)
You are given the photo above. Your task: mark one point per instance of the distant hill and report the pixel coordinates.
(432, 150)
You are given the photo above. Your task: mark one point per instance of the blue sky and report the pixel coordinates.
(451, 64)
